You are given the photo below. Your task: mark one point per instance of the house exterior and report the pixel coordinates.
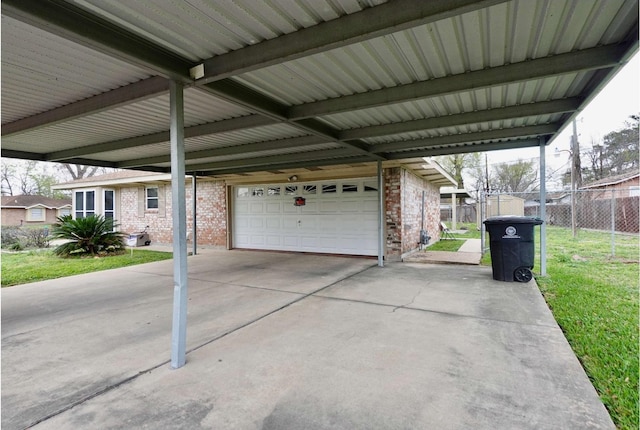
(337, 214)
(618, 186)
(33, 210)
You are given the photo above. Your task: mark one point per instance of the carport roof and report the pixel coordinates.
(300, 84)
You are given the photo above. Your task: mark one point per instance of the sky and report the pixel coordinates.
(607, 112)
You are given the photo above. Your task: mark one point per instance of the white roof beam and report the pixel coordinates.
(78, 25)
(137, 91)
(270, 161)
(294, 142)
(468, 148)
(509, 112)
(481, 136)
(244, 122)
(387, 18)
(572, 62)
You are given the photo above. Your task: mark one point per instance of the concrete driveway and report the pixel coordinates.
(290, 341)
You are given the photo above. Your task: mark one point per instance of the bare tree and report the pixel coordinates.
(79, 171)
(517, 177)
(8, 172)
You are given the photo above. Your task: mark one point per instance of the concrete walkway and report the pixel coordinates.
(289, 341)
(468, 253)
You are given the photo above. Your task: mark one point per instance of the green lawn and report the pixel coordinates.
(25, 267)
(594, 298)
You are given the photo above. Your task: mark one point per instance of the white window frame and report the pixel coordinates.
(84, 211)
(104, 205)
(65, 211)
(147, 198)
(33, 218)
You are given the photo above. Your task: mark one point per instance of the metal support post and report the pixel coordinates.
(613, 223)
(543, 209)
(194, 194)
(454, 216)
(482, 226)
(381, 216)
(179, 213)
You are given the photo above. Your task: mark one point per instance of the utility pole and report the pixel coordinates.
(576, 177)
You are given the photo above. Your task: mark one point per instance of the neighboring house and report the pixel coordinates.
(623, 185)
(303, 213)
(33, 210)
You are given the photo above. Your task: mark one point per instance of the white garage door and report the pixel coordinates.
(338, 217)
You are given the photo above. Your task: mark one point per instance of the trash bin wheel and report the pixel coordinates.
(148, 242)
(522, 274)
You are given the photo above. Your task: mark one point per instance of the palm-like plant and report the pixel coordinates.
(90, 235)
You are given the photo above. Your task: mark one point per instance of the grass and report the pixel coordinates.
(25, 267)
(446, 245)
(594, 298)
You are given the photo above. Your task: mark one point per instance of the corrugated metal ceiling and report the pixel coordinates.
(350, 74)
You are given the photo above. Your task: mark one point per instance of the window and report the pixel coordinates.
(109, 206)
(64, 212)
(290, 190)
(309, 189)
(85, 204)
(370, 186)
(152, 197)
(257, 192)
(330, 188)
(36, 214)
(634, 191)
(243, 192)
(349, 188)
(273, 191)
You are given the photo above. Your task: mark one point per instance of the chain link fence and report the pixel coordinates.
(615, 214)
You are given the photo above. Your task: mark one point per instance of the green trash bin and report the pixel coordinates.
(512, 247)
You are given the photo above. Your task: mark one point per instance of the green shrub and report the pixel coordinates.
(91, 235)
(10, 236)
(19, 238)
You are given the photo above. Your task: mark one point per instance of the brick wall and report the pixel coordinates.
(413, 186)
(403, 211)
(211, 214)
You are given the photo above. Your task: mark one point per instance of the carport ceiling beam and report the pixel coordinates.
(468, 148)
(78, 25)
(244, 122)
(573, 62)
(387, 18)
(267, 162)
(287, 165)
(506, 133)
(509, 112)
(294, 142)
(252, 100)
(137, 91)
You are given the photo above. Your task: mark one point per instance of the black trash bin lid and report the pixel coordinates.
(512, 219)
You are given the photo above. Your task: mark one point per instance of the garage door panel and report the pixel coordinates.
(256, 208)
(242, 207)
(370, 206)
(343, 221)
(273, 208)
(257, 223)
(350, 206)
(331, 206)
(272, 240)
(309, 207)
(273, 223)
